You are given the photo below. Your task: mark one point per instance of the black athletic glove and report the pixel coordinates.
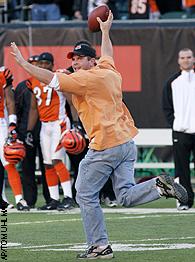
(12, 133)
(77, 125)
(8, 77)
(29, 139)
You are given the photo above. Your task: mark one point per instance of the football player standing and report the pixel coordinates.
(11, 149)
(49, 105)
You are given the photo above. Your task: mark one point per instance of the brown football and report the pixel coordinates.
(102, 12)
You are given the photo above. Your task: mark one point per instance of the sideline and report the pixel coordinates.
(107, 210)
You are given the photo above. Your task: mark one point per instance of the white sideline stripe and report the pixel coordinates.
(44, 221)
(13, 244)
(128, 247)
(108, 218)
(115, 242)
(155, 239)
(131, 210)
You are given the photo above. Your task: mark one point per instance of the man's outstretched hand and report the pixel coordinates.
(105, 26)
(17, 54)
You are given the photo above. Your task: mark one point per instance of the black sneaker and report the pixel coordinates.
(94, 252)
(5, 205)
(22, 205)
(171, 189)
(67, 203)
(52, 205)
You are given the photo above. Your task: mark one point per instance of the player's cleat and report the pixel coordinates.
(67, 203)
(169, 188)
(109, 203)
(182, 207)
(52, 205)
(5, 205)
(22, 205)
(95, 252)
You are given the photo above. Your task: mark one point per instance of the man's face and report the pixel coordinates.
(82, 62)
(35, 63)
(186, 60)
(45, 64)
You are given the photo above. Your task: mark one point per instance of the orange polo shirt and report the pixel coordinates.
(97, 96)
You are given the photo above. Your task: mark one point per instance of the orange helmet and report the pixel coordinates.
(14, 152)
(73, 141)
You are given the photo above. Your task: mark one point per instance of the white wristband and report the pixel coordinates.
(12, 119)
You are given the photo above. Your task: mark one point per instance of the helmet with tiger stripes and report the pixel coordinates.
(73, 141)
(14, 152)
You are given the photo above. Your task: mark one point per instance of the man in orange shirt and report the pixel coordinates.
(49, 105)
(97, 97)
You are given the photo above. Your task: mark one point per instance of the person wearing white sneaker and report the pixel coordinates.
(179, 205)
(179, 110)
(97, 96)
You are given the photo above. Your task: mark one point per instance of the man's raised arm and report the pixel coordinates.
(106, 45)
(41, 74)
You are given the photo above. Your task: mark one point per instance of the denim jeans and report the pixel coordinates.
(94, 171)
(47, 12)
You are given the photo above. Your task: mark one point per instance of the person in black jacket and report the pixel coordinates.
(179, 109)
(23, 100)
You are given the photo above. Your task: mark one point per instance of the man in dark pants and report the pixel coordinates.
(3, 204)
(1, 177)
(23, 101)
(179, 109)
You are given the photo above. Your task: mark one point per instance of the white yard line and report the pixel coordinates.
(108, 218)
(115, 246)
(109, 210)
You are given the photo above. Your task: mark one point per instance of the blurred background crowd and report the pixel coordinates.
(62, 10)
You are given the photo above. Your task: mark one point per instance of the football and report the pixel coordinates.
(102, 12)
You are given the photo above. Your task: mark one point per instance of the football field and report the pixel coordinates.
(153, 232)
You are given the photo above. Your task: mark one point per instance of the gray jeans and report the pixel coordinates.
(94, 171)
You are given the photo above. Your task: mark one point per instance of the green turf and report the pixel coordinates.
(161, 203)
(61, 230)
(38, 232)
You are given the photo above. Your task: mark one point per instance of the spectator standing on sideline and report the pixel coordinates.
(97, 96)
(9, 133)
(45, 10)
(22, 96)
(179, 109)
(50, 106)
